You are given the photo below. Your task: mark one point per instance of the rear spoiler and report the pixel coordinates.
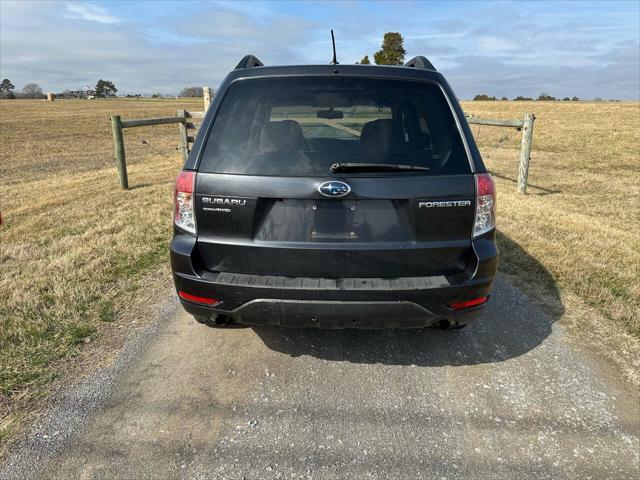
(249, 61)
(420, 62)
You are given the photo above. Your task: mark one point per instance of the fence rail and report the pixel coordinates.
(146, 122)
(495, 122)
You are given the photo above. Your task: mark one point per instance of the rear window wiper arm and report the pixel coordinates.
(374, 167)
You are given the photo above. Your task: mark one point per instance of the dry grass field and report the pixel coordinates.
(77, 253)
(580, 221)
(75, 250)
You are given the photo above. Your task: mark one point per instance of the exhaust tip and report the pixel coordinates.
(445, 324)
(222, 320)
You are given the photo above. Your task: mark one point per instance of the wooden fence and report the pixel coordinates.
(526, 126)
(186, 129)
(183, 118)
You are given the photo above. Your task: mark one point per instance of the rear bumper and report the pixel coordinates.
(410, 302)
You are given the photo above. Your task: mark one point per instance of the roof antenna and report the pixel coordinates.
(333, 41)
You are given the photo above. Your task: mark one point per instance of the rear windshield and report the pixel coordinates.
(301, 126)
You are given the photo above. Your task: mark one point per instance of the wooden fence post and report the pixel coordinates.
(182, 130)
(207, 94)
(118, 142)
(525, 152)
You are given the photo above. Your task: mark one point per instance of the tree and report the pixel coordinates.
(504, 99)
(392, 51)
(483, 96)
(520, 98)
(365, 60)
(105, 88)
(545, 97)
(32, 90)
(6, 89)
(566, 99)
(191, 92)
(575, 99)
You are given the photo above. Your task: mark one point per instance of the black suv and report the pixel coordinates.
(334, 196)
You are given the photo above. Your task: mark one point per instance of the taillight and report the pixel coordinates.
(469, 303)
(485, 204)
(198, 299)
(183, 211)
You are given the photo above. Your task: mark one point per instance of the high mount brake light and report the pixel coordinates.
(485, 218)
(183, 212)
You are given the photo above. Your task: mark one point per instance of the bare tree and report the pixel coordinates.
(191, 92)
(32, 90)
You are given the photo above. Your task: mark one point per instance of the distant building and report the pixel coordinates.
(86, 93)
(83, 93)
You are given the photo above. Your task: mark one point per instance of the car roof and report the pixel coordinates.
(390, 71)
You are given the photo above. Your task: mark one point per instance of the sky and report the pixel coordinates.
(501, 48)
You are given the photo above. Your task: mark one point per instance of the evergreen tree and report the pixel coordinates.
(105, 88)
(6, 89)
(392, 51)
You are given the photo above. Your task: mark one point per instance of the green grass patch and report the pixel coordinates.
(106, 311)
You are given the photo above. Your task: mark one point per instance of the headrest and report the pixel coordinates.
(283, 135)
(380, 136)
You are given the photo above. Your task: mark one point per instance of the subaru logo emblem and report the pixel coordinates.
(334, 189)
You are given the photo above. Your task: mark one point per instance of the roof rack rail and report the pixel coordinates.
(420, 62)
(249, 61)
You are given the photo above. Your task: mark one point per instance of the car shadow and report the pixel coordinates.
(511, 325)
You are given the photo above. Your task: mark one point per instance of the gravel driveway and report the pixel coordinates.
(509, 397)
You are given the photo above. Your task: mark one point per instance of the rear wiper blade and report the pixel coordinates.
(374, 167)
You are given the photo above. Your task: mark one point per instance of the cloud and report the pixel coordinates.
(90, 12)
(617, 79)
(195, 49)
(564, 51)
(491, 45)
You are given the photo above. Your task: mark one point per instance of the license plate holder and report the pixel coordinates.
(334, 220)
